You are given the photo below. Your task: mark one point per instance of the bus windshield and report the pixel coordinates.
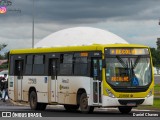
(128, 70)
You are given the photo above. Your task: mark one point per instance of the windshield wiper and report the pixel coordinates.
(137, 61)
(121, 61)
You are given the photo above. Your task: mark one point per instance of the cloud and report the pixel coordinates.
(133, 20)
(80, 11)
(144, 40)
(143, 32)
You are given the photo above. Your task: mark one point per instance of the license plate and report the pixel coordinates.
(131, 104)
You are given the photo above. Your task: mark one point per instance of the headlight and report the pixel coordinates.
(110, 94)
(150, 93)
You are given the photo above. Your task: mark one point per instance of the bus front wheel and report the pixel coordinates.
(125, 109)
(84, 104)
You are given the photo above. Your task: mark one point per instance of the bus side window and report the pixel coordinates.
(97, 69)
(29, 64)
(38, 65)
(81, 66)
(66, 64)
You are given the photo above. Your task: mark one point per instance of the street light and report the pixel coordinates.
(33, 26)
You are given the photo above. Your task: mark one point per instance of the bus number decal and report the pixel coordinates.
(125, 95)
(32, 81)
(65, 81)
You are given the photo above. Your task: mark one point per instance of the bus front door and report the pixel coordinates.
(19, 78)
(97, 78)
(52, 83)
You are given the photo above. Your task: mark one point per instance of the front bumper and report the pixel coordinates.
(113, 102)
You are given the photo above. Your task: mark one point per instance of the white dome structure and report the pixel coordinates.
(79, 36)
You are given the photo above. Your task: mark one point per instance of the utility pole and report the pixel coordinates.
(33, 26)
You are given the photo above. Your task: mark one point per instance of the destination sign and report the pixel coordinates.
(128, 51)
(84, 54)
(120, 79)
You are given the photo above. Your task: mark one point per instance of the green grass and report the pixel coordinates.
(156, 103)
(157, 88)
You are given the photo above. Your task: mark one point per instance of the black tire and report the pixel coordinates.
(71, 107)
(84, 104)
(33, 100)
(125, 109)
(34, 105)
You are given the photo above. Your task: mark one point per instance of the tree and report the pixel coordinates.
(2, 57)
(153, 53)
(2, 46)
(155, 57)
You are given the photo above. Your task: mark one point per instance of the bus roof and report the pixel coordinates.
(94, 47)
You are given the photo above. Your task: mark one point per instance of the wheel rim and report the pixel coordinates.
(33, 101)
(84, 103)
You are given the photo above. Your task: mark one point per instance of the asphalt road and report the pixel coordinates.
(59, 111)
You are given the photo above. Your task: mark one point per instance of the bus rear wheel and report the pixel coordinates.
(125, 109)
(84, 107)
(33, 102)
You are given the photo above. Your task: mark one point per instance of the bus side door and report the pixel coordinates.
(52, 84)
(97, 79)
(18, 79)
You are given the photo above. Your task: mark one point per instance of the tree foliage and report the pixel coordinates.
(155, 57)
(3, 45)
(3, 56)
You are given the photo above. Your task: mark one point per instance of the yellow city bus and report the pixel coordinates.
(85, 77)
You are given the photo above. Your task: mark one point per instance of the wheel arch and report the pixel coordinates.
(30, 90)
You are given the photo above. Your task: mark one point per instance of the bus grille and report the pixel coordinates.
(125, 102)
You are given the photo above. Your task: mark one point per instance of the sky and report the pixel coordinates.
(136, 21)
